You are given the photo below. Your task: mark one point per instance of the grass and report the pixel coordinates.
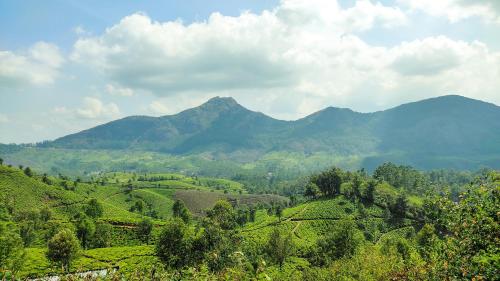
(124, 258)
(25, 193)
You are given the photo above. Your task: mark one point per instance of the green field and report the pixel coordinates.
(128, 201)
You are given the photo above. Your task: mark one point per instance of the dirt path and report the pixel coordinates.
(298, 223)
(288, 219)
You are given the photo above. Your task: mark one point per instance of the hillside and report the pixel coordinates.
(367, 227)
(118, 192)
(448, 131)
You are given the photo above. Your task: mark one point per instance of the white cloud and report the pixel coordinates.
(297, 58)
(40, 65)
(47, 54)
(93, 108)
(119, 91)
(81, 31)
(431, 56)
(159, 108)
(456, 10)
(245, 52)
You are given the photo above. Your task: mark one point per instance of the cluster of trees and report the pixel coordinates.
(217, 243)
(330, 183)
(11, 244)
(450, 239)
(358, 186)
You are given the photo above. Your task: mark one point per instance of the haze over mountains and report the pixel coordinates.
(448, 131)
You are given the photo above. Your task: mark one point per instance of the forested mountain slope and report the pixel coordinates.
(448, 131)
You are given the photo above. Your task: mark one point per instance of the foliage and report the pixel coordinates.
(94, 209)
(180, 211)
(472, 249)
(102, 236)
(174, 244)
(347, 236)
(341, 242)
(63, 248)
(144, 229)
(45, 214)
(312, 190)
(279, 246)
(223, 215)
(329, 181)
(85, 229)
(11, 249)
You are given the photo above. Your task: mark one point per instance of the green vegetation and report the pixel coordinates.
(249, 144)
(346, 225)
(63, 248)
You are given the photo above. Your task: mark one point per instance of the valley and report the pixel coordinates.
(120, 217)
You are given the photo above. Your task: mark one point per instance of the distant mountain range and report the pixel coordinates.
(448, 131)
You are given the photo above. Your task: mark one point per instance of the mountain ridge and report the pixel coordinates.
(446, 126)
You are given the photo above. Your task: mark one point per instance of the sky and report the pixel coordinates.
(66, 66)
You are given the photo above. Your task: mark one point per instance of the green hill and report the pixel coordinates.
(23, 193)
(448, 131)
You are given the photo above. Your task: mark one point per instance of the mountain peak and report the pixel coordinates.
(218, 104)
(222, 101)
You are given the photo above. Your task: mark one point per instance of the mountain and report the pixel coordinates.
(430, 133)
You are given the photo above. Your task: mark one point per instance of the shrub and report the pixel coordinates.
(63, 248)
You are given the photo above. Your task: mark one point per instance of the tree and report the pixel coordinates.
(342, 241)
(138, 206)
(426, 240)
(242, 216)
(174, 244)
(28, 172)
(94, 209)
(279, 212)
(329, 181)
(396, 246)
(252, 213)
(216, 245)
(1, 161)
(27, 232)
(45, 214)
(11, 248)
(223, 215)
(356, 185)
(180, 211)
(312, 190)
(399, 207)
(144, 229)
(85, 229)
(471, 246)
(102, 236)
(46, 180)
(279, 247)
(63, 248)
(369, 196)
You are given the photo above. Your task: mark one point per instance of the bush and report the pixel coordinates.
(11, 247)
(144, 229)
(102, 236)
(341, 242)
(63, 248)
(94, 209)
(174, 244)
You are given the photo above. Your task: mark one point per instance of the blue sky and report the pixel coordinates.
(25, 22)
(69, 65)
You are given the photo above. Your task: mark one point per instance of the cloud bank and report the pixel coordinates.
(38, 66)
(296, 58)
